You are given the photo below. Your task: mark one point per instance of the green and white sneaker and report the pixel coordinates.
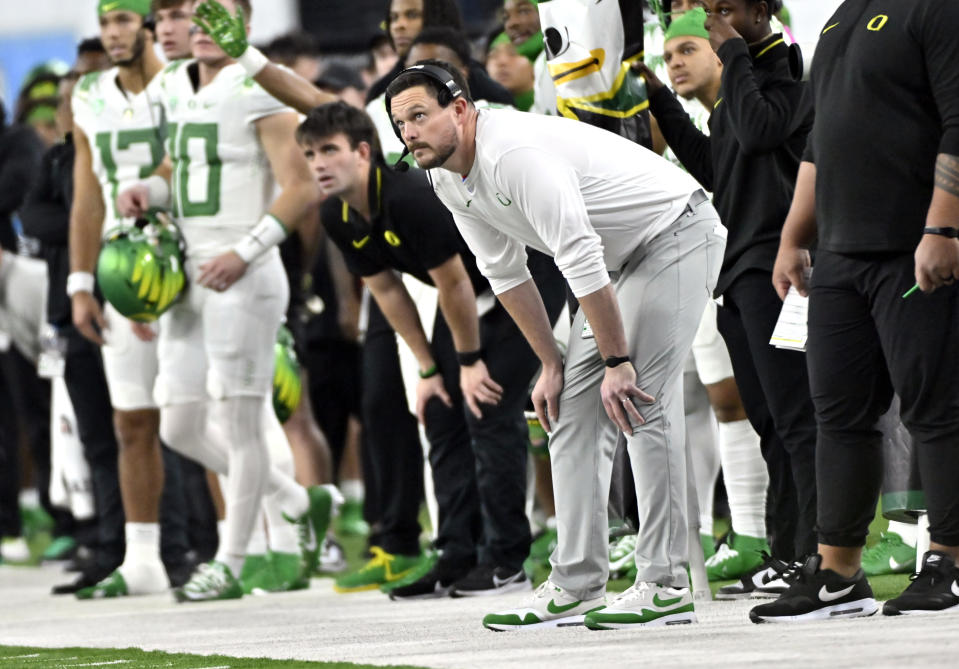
(312, 525)
(211, 581)
(113, 585)
(550, 606)
(257, 576)
(291, 572)
(645, 605)
(622, 555)
(350, 522)
(739, 556)
(890, 556)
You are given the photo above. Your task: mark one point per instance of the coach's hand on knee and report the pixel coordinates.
(545, 395)
(620, 393)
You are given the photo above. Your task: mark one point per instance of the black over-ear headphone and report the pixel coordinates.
(450, 89)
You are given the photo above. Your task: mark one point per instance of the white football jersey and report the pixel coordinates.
(124, 135)
(222, 183)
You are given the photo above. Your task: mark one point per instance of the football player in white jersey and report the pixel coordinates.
(227, 140)
(117, 143)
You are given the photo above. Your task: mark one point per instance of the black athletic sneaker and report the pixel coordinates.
(487, 580)
(935, 588)
(818, 594)
(437, 582)
(768, 571)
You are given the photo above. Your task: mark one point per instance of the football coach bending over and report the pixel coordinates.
(640, 246)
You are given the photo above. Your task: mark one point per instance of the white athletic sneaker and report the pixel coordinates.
(550, 606)
(645, 605)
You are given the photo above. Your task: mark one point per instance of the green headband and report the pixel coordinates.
(141, 7)
(500, 40)
(530, 49)
(692, 23)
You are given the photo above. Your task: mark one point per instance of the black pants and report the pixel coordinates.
(333, 371)
(774, 387)
(392, 455)
(865, 341)
(479, 465)
(87, 386)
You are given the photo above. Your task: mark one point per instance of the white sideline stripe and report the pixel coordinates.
(101, 664)
(18, 657)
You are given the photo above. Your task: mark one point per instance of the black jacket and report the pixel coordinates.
(750, 159)
(20, 151)
(46, 216)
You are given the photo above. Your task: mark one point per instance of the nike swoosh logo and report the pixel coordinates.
(110, 7)
(497, 581)
(468, 203)
(358, 244)
(826, 596)
(955, 588)
(553, 607)
(828, 28)
(895, 566)
(664, 602)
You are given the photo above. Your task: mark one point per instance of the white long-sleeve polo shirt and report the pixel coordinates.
(581, 194)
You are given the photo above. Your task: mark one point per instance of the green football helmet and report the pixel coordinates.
(140, 272)
(287, 388)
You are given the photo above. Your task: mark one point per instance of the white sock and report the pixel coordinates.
(258, 544)
(281, 533)
(746, 478)
(908, 533)
(142, 569)
(701, 440)
(352, 489)
(241, 420)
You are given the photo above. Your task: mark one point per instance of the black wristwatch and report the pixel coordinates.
(469, 357)
(951, 233)
(616, 360)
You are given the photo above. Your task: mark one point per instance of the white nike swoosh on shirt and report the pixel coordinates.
(955, 588)
(827, 596)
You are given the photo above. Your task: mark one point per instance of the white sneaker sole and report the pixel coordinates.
(568, 621)
(765, 594)
(860, 608)
(686, 618)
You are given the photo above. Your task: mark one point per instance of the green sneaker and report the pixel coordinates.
(258, 575)
(291, 572)
(644, 605)
(550, 606)
(211, 581)
(427, 561)
(350, 522)
(738, 556)
(61, 548)
(112, 586)
(312, 525)
(34, 520)
(890, 556)
(382, 568)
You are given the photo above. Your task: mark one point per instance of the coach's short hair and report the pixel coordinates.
(410, 78)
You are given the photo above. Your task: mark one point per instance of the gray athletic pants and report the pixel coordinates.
(662, 291)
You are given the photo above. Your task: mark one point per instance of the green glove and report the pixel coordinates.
(229, 32)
